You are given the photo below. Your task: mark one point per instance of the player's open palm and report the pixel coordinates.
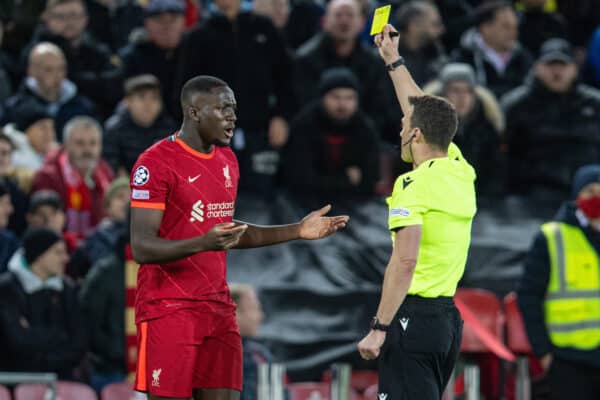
(223, 236)
(317, 225)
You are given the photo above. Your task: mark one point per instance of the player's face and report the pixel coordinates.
(217, 116)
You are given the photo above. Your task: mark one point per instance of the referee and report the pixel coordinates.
(417, 330)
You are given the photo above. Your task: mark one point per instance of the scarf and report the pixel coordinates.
(78, 205)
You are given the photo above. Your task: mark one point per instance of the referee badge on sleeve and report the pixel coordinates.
(399, 212)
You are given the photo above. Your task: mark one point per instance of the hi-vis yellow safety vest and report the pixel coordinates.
(572, 306)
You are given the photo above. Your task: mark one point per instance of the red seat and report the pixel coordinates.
(516, 336)
(313, 391)
(64, 391)
(488, 310)
(371, 393)
(4, 393)
(118, 391)
(360, 380)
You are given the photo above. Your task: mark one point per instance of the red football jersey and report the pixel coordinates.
(196, 191)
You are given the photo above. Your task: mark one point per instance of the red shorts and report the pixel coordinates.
(189, 350)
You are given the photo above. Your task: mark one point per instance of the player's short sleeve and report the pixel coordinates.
(149, 182)
(407, 203)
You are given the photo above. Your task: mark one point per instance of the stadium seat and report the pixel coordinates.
(359, 380)
(313, 391)
(4, 393)
(65, 391)
(516, 336)
(517, 341)
(488, 310)
(371, 393)
(119, 391)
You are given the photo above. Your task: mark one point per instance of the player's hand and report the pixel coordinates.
(278, 132)
(223, 236)
(388, 47)
(316, 225)
(370, 346)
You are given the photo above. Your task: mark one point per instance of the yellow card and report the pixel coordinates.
(380, 19)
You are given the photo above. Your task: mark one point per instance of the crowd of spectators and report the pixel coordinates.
(87, 85)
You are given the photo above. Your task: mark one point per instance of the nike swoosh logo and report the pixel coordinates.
(192, 180)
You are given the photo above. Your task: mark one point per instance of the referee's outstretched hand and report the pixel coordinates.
(317, 226)
(387, 45)
(223, 236)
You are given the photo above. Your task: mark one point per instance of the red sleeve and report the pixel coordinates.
(149, 182)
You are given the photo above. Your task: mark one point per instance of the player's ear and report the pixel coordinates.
(193, 113)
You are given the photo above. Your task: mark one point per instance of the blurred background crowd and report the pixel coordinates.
(87, 85)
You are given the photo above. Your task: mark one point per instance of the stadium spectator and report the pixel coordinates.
(536, 25)
(156, 49)
(33, 135)
(249, 317)
(90, 65)
(5, 79)
(339, 46)
(493, 49)
(553, 125)
(136, 126)
(46, 211)
(79, 175)
(560, 291)
(421, 28)
(457, 17)
(102, 240)
(112, 21)
(278, 11)
(102, 299)
(246, 50)
(40, 320)
(17, 183)
(334, 141)
(303, 22)
(480, 125)
(46, 86)
(8, 241)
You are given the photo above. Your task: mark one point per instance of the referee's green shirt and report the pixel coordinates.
(439, 195)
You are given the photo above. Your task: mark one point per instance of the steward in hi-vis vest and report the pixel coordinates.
(559, 294)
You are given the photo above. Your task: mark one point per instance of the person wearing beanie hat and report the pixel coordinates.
(33, 134)
(559, 292)
(338, 139)
(40, 318)
(480, 125)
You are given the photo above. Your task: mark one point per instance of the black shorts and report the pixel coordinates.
(420, 349)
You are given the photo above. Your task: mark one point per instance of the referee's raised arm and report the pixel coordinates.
(404, 84)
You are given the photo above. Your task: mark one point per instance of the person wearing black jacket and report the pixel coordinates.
(552, 125)
(493, 50)
(103, 304)
(333, 148)
(136, 125)
(90, 63)
(559, 292)
(247, 51)
(40, 322)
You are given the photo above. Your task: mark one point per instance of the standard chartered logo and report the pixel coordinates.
(211, 210)
(197, 212)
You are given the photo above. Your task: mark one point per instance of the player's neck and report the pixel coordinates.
(192, 139)
(428, 154)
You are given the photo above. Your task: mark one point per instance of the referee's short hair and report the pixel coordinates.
(436, 118)
(199, 84)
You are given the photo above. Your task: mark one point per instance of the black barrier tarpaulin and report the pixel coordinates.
(318, 296)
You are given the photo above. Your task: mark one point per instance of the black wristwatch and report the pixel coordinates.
(378, 326)
(395, 64)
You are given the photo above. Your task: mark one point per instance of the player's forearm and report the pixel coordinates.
(258, 236)
(156, 250)
(404, 86)
(396, 282)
